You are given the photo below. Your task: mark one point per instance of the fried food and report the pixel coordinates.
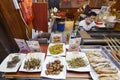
(116, 55)
(107, 70)
(56, 49)
(54, 68)
(102, 65)
(13, 62)
(108, 77)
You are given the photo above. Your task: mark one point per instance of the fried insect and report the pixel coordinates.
(32, 63)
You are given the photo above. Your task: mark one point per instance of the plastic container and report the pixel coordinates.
(73, 34)
(61, 26)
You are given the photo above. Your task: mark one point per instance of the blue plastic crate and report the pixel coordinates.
(61, 26)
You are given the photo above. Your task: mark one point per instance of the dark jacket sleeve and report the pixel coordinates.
(87, 9)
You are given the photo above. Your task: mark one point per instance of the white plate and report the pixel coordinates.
(70, 55)
(37, 55)
(3, 65)
(60, 54)
(62, 74)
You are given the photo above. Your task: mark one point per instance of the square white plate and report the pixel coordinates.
(71, 55)
(3, 65)
(60, 54)
(62, 74)
(37, 55)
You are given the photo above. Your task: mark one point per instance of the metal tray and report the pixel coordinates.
(112, 58)
(105, 53)
(100, 48)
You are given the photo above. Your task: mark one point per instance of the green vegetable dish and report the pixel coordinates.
(77, 62)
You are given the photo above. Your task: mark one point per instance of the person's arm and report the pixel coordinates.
(87, 9)
(80, 26)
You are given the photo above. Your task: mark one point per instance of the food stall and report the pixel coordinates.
(66, 55)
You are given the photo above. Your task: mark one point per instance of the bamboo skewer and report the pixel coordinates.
(117, 52)
(114, 50)
(117, 41)
(117, 46)
(112, 44)
(109, 44)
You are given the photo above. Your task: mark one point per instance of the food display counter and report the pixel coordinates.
(97, 49)
(73, 75)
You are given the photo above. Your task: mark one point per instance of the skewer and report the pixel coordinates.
(117, 46)
(115, 53)
(112, 44)
(117, 41)
(108, 43)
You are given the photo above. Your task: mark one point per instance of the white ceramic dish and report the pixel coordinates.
(71, 55)
(36, 55)
(62, 74)
(3, 65)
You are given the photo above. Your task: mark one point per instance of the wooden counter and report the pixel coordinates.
(23, 75)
